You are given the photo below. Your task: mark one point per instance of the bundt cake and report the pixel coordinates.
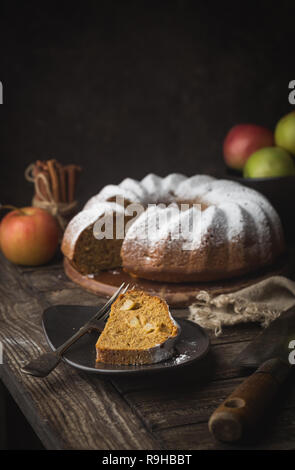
(139, 330)
(185, 229)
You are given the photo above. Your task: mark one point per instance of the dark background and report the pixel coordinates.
(130, 87)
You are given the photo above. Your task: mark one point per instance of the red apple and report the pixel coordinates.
(242, 140)
(29, 236)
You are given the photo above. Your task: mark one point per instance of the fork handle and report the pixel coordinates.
(63, 347)
(42, 365)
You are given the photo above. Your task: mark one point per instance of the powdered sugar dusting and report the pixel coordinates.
(224, 217)
(231, 212)
(162, 189)
(109, 192)
(158, 224)
(181, 358)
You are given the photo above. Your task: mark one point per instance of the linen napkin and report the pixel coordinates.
(261, 302)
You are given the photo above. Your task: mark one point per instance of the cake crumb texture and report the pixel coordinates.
(137, 323)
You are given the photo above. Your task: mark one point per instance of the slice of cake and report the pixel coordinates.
(140, 330)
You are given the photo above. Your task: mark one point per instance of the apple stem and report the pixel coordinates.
(13, 208)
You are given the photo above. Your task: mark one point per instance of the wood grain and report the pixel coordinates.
(67, 410)
(73, 410)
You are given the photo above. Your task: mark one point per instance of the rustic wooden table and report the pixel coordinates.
(72, 410)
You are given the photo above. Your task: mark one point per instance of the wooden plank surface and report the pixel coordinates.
(73, 410)
(67, 410)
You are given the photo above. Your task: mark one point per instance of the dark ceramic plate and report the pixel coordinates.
(62, 321)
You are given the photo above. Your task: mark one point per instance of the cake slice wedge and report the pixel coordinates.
(139, 330)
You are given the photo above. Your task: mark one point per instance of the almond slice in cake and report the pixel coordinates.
(149, 327)
(129, 304)
(142, 338)
(135, 322)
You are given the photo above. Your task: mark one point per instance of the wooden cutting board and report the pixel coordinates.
(177, 295)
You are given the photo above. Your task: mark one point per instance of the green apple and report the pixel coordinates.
(269, 162)
(285, 132)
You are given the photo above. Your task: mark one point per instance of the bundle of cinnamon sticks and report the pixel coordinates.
(58, 181)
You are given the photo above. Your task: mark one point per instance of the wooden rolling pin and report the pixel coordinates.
(241, 412)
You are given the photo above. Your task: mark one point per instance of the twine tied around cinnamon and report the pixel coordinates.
(60, 210)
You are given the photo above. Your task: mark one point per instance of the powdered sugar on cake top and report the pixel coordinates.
(229, 211)
(230, 207)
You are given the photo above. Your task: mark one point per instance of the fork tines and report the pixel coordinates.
(103, 312)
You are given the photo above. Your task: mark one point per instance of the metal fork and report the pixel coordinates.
(46, 363)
